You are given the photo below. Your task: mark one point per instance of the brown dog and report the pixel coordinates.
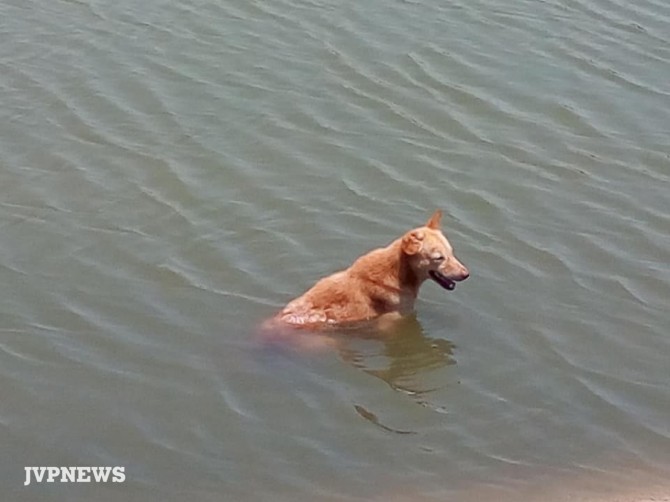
(383, 281)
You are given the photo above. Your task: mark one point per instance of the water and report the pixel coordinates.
(174, 172)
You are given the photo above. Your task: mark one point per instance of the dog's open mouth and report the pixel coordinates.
(442, 280)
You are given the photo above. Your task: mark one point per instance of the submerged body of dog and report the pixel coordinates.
(384, 282)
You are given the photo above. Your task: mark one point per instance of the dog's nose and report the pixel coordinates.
(465, 274)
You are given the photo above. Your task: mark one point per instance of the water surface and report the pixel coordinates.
(174, 172)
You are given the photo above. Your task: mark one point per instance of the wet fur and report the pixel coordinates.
(382, 284)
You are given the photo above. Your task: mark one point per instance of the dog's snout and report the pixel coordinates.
(464, 273)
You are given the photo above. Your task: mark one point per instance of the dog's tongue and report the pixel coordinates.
(442, 280)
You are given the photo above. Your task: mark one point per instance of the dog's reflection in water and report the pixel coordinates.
(399, 356)
(403, 358)
(395, 350)
(398, 352)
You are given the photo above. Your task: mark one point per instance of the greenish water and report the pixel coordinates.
(171, 173)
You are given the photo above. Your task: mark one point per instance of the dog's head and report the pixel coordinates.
(430, 254)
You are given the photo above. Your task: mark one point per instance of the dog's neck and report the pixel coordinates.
(408, 278)
(402, 280)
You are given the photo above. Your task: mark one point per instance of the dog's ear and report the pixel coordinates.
(434, 221)
(412, 242)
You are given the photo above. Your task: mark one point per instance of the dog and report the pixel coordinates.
(383, 283)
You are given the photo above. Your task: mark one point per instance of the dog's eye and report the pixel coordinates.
(438, 258)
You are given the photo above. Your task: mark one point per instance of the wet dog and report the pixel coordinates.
(383, 283)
